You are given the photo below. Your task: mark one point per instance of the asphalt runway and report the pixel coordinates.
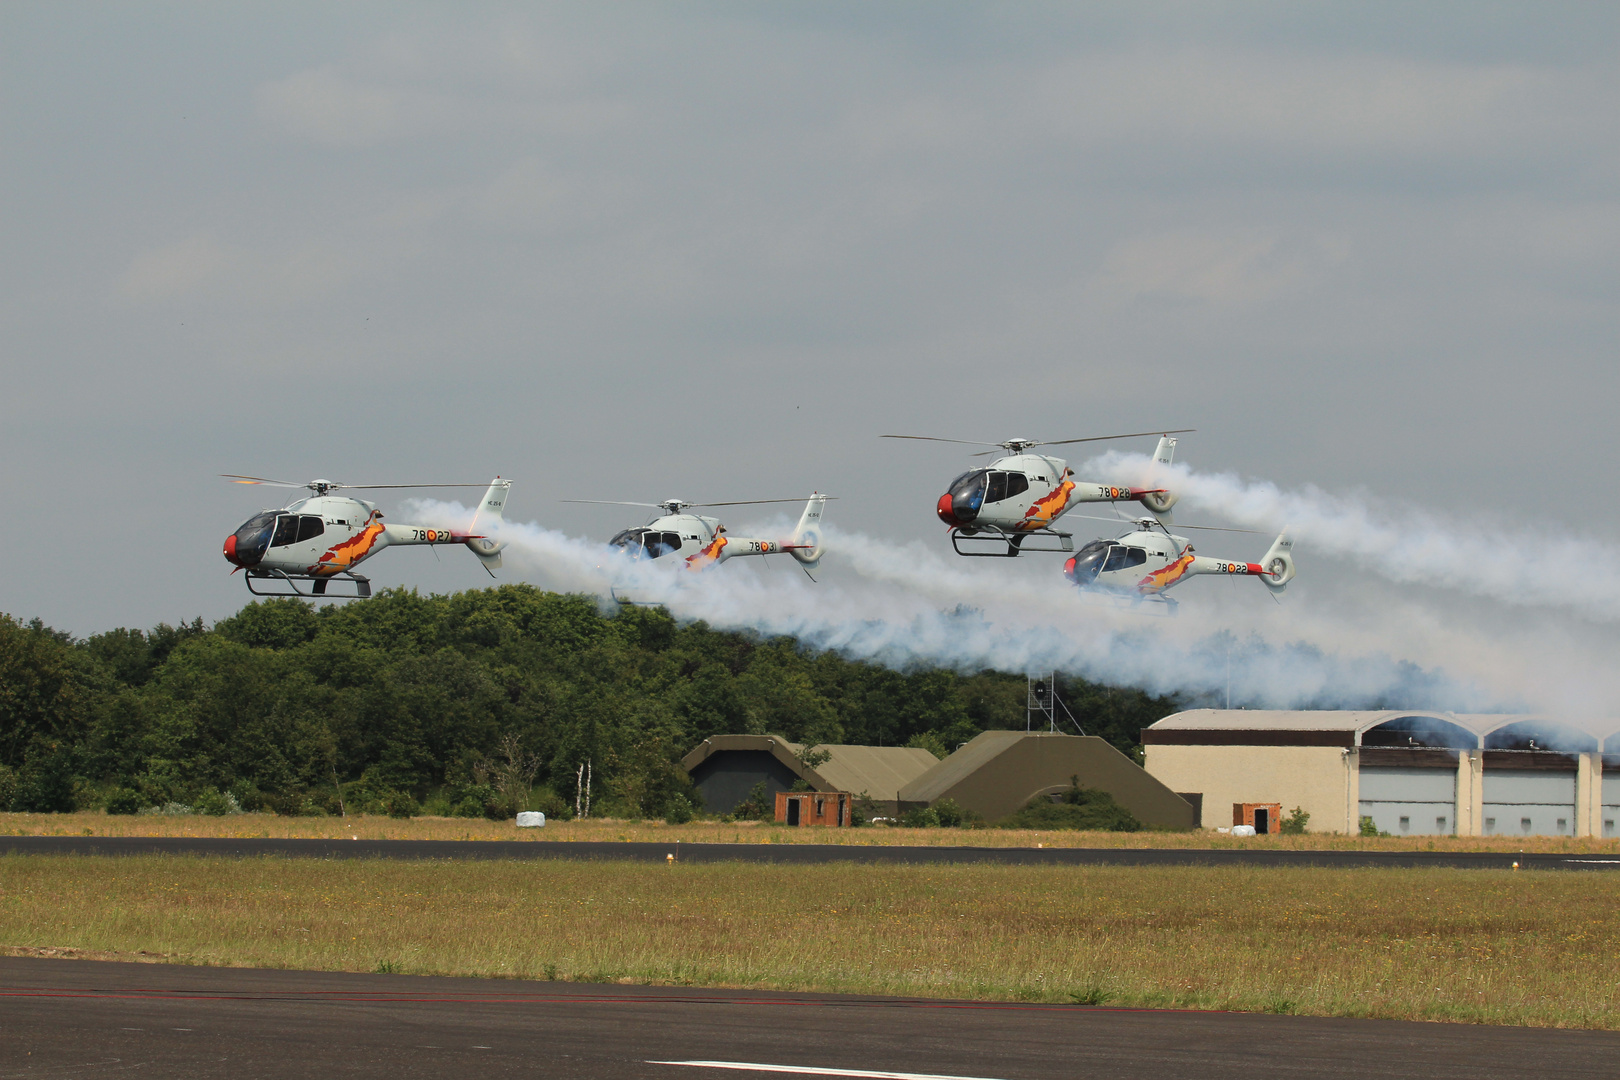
(785, 853)
(87, 1018)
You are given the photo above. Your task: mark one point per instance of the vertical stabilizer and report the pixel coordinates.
(1278, 564)
(1159, 501)
(807, 546)
(488, 519)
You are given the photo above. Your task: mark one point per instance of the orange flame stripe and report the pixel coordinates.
(709, 555)
(1166, 576)
(351, 551)
(1047, 508)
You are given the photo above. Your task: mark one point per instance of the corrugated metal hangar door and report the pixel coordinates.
(1611, 797)
(1406, 800)
(1529, 802)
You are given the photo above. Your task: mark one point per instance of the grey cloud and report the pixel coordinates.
(622, 252)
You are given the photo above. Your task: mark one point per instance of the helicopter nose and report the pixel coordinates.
(230, 549)
(945, 511)
(1068, 567)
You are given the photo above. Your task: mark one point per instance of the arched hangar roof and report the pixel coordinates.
(1373, 727)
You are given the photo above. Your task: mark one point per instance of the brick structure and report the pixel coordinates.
(830, 808)
(1266, 817)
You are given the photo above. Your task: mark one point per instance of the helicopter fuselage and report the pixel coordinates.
(1148, 562)
(323, 536)
(697, 540)
(1022, 493)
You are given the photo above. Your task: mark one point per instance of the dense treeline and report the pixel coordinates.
(478, 703)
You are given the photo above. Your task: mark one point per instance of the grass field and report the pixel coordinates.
(1474, 946)
(709, 832)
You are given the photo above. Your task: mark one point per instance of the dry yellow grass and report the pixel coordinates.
(709, 832)
(1477, 946)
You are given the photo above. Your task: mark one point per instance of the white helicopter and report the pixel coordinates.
(703, 542)
(1023, 494)
(1148, 560)
(325, 536)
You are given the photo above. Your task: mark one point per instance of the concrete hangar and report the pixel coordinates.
(1412, 773)
(993, 775)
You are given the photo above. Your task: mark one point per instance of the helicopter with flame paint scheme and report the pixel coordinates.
(323, 537)
(1020, 496)
(702, 542)
(1145, 562)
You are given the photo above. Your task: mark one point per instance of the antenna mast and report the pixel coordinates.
(1042, 704)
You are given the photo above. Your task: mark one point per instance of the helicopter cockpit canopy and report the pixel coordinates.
(1101, 556)
(248, 545)
(974, 488)
(647, 543)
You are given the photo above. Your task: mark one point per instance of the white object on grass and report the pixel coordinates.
(531, 819)
(1243, 830)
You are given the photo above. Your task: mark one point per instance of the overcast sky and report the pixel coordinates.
(634, 251)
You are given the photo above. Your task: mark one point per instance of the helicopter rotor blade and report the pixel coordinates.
(1054, 442)
(756, 502)
(935, 438)
(613, 502)
(379, 487)
(237, 479)
(662, 505)
(1217, 528)
(1137, 521)
(1105, 438)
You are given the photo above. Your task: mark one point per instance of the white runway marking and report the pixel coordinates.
(810, 1070)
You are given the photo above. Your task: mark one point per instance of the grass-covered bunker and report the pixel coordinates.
(994, 775)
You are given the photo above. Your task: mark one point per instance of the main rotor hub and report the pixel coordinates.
(1018, 446)
(320, 487)
(673, 506)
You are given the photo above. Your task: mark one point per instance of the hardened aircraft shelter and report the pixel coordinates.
(1412, 773)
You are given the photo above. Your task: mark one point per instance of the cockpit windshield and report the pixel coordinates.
(1088, 561)
(647, 543)
(253, 539)
(967, 491)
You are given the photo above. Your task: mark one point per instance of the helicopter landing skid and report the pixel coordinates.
(1014, 544)
(317, 585)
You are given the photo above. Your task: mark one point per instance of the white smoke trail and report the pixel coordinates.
(1405, 544)
(908, 605)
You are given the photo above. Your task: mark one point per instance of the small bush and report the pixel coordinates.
(931, 742)
(399, 804)
(169, 809)
(1078, 808)
(247, 796)
(1368, 828)
(215, 803)
(679, 811)
(45, 784)
(759, 806)
(291, 804)
(549, 803)
(481, 800)
(1294, 824)
(920, 817)
(125, 801)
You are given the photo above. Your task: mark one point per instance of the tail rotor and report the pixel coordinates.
(1277, 566)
